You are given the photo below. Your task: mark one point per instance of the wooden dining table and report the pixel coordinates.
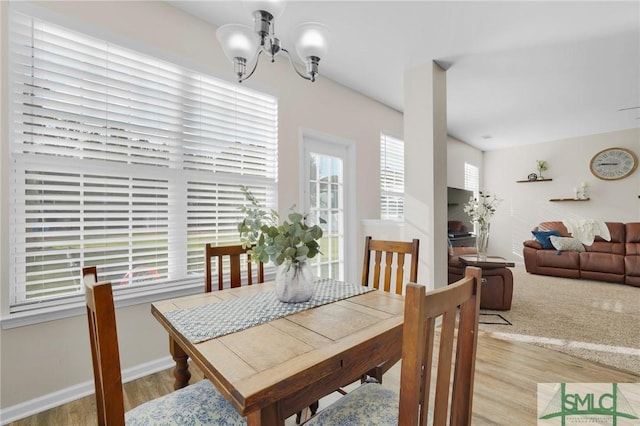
(272, 370)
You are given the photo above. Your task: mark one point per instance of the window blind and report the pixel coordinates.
(391, 178)
(471, 178)
(123, 161)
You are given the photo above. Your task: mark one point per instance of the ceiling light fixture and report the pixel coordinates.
(242, 45)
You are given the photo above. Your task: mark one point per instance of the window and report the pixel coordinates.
(123, 161)
(391, 178)
(471, 178)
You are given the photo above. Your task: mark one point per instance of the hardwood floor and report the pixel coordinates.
(507, 374)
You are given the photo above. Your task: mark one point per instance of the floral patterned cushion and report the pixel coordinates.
(194, 405)
(369, 404)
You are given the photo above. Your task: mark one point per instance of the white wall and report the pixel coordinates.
(37, 360)
(459, 153)
(527, 204)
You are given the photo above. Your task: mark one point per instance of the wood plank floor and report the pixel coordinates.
(507, 374)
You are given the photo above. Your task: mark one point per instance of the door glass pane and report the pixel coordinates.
(326, 186)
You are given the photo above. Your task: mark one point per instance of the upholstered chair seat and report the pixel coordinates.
(197, 404)
(368, 404)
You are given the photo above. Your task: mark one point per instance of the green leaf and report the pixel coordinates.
(302, 251)
(295, 217)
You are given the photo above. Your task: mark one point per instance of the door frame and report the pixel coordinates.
(350, 206)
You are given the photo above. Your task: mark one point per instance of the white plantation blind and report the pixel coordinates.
(391, 178)
(123, 161)
(471, 178)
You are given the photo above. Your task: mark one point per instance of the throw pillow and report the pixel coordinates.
(543, 237)
(566, 243)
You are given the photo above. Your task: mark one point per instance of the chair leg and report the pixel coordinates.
(313, 408)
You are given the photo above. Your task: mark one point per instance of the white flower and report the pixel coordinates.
(481, 210)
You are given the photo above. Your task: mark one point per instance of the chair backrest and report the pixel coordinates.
(104, 349)
(423, 314)
(234, 253)
(389, 249)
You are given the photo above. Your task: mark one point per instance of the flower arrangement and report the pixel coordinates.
(542, 166)
(483, 208)
(293, 241)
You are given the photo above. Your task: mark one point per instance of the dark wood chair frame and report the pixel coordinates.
(459, 301)
(389, 248)
(234, 253)
(107, 375)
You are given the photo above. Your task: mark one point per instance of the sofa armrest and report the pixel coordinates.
(532, 244)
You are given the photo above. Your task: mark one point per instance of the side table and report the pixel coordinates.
(497, 290)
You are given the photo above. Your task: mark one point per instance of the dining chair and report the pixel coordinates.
(199, 403)
(377, 250)
(234, 254)
(448, 315)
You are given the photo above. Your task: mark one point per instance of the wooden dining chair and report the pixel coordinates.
(379, 250)
(375, 249)
(199, 403)
(234, 254)
(448, 315)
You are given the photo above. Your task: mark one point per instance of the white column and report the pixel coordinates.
(425, 155)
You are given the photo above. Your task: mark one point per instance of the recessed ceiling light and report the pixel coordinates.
(486, 137)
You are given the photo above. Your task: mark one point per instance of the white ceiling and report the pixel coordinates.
(518, 72)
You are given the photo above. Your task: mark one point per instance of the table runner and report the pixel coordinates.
(205, 322)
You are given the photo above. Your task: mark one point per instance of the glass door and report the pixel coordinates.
(324, 198)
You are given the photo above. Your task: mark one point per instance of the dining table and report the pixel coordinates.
(271, 359)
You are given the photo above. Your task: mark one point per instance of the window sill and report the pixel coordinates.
(78, 307)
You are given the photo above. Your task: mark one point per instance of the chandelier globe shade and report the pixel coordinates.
(237, 41)
(274, 7)
(311, 39)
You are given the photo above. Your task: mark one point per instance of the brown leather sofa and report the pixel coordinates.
(616, 261)
(497, 283)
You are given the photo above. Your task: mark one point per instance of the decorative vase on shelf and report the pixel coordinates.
(482, 240)
(294, 282)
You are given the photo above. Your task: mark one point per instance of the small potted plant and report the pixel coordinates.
(542, 166)
(288, 245)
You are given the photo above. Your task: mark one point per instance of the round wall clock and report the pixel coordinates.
(613, 163)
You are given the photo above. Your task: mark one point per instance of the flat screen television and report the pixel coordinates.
(456, 199)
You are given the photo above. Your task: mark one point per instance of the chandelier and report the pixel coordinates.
(243, 46)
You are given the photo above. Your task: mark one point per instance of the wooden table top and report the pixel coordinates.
(272, 370)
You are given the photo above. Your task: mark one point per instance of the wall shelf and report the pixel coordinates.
(570, 199)
(530, 181)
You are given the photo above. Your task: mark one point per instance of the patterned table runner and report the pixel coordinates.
(205, 322)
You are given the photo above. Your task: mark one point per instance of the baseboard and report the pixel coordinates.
(63, 396)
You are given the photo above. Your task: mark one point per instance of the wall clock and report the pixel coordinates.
(613, 163)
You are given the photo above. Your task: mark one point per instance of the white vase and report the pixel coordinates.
(294, 282)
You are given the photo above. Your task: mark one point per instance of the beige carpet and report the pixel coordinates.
(588, 319)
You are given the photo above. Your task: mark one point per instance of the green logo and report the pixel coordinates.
(586, 403)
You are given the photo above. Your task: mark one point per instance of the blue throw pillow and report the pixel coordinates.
(543, 238)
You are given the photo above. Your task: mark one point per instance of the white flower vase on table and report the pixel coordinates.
(482, 241)
(294, 282)
(481, 210)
